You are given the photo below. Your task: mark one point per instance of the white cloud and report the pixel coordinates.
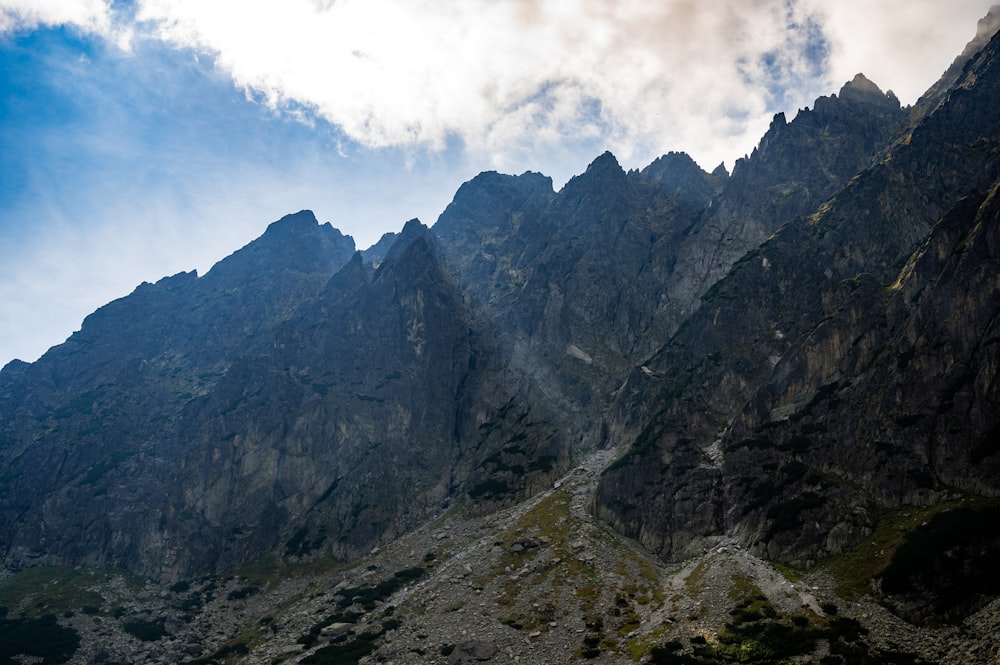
(903, 46)
(506, 76)
(92, 15)
(513, 77)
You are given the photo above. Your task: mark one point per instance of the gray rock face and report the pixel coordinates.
(856, 382)
(266, 405)
(586, 283)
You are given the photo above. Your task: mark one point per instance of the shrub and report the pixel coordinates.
(245, 592)
(147, 631)
(42, 638)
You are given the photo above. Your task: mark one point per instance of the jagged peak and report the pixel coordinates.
(301, 223)
(414, 231)
(491, 179)
(376, 253)
(386, 237)
(674, 159)
(490, 184)
(14, 367)
(354, 271)
(605, 162)
(860, 83)
(677, 170)
(604, 167)
(862, 89)
(986, 29)
(295, 221)
(990, 23)
(413, 226)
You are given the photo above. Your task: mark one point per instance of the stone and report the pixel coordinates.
(471, 651)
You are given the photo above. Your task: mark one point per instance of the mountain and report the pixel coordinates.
(687, 405)
(200, 422)
(663, 414)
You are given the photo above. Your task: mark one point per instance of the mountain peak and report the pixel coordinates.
(605, 168)
(413, 231)
(294, 222)
(604, 163)
(861, 83)
(678, 173)
(985, 30)
(861, 89)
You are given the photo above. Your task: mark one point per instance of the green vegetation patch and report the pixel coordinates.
(857, 567)
(48, 589)
(949, 563)
(349, 653)
(367, 596)
(147, 631)
(769, 638)
(312, 636)
(235, 647)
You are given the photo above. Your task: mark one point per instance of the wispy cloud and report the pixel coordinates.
(93, 15)
(507, 77)
(901, 45)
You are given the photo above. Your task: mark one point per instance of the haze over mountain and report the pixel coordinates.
(607, 413)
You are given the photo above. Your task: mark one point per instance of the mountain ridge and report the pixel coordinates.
(732, 371)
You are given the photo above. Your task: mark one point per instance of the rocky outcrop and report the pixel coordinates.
(797, 166)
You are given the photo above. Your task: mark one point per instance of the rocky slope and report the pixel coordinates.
(540, 582)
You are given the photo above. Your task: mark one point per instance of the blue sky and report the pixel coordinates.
(139, 139)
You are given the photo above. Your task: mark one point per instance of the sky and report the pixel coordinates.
(142, 138)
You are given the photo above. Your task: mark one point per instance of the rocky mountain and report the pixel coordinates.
(688, 474)
(279, 401)
(663, 415)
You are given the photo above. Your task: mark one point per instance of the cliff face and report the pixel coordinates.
(586, 283)
(785, 355)
(199, 423)
(794, 422)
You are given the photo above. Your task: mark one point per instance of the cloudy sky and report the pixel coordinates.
(142, 138)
